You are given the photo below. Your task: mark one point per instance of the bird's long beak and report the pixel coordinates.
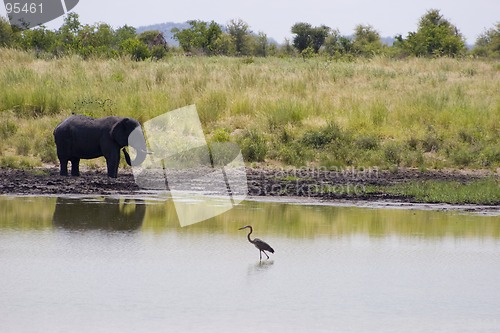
(241, 228)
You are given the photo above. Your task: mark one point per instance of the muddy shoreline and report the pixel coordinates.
(317, 184)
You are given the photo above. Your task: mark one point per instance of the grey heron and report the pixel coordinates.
(259, 244)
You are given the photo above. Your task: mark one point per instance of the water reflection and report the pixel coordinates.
(280, 219)
(260, 267)
(108, 214)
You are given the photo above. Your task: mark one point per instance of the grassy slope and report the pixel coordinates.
(415, 112)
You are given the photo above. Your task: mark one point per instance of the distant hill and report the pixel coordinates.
(387, 40)
(166, 28)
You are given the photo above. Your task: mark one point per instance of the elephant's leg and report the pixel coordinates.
(63, 167)
(75, 167)
(112, 162)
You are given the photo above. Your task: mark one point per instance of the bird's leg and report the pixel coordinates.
(260, 255)
(266, 254)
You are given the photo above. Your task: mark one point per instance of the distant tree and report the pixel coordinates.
(40, 40)
(213, 33)
(67, 40)
(239, 31)
(302, 36)
(156, 43)
(337, 45)
(6, 33)
(152, 37)
(318, 36)
(223, 45)
(136, 49)
(488, 43)
(96, 40)
(366, 41)
(124, 33)
(286, 49)
(435, 37)
(104, 35)
(201, 37)
(308, 36)
(261, 45)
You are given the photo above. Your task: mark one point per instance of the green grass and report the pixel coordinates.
(424, 113)
(485, 191)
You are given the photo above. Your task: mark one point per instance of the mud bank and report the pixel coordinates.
(311, 187)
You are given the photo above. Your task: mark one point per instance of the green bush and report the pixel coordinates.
(159, 52)
(7, 128)
(490, 156)
(294, 154)
(220, 135)
(369, 142)
(23, 146)
(46, 149)
(136, 49)
(393, 152)
(322, 137)
(253, 147)
(462, 156)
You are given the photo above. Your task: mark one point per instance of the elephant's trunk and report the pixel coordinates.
(139, 158)
(136, 140)
(127, 156)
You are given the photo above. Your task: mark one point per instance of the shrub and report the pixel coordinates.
(318, 139)
(490, 156)
(136, 49)
(220, 135)
(46, 149)
(370, 142)
(23, 146)
(462, 156)
(431, 142)
(253, 147)
(294, 155)
(393, 152)
(7, 129)
(159, 52)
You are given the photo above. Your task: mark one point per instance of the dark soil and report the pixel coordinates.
(48, 181)
(342, 184)
(349, 184)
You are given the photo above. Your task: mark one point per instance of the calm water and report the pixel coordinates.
(95, 265)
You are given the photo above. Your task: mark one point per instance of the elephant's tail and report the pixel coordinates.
(127, 156)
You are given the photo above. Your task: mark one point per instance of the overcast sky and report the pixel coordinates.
(275, 17)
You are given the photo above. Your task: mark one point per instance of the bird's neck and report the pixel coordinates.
(248, 236)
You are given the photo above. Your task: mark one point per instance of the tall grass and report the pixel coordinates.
(415, 112)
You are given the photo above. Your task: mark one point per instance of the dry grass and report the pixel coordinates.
(415, 112)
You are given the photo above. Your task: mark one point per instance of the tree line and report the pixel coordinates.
(435, 37)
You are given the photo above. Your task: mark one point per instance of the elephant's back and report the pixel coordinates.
(80, 132)
(79, 123)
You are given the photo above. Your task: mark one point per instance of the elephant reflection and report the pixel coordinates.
(108, 214)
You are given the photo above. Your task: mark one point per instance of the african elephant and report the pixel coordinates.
(84, 137)
(109, 214)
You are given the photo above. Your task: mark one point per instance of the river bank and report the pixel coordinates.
(318, 184)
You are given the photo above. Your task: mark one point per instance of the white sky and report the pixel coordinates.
(275, 17)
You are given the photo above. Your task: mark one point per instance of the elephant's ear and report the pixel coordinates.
(119, 132)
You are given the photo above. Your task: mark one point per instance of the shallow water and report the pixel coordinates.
(115, 265)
